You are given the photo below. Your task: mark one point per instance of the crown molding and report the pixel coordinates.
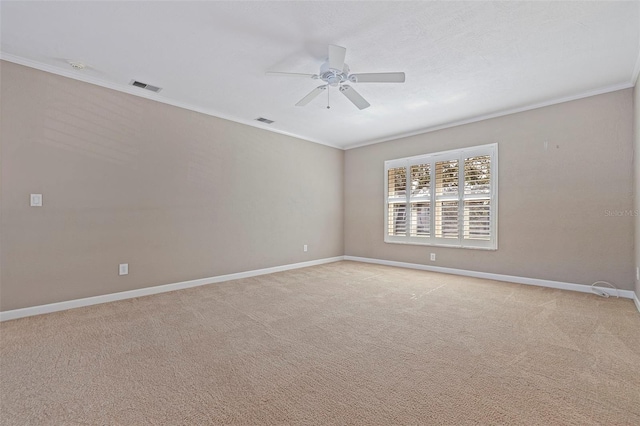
(77, 75)
(157, 97)
(475, 119)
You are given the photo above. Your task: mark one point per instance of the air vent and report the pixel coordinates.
(264, 120)
(77, 65)
(146, 86)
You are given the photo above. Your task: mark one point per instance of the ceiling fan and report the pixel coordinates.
(335, 72)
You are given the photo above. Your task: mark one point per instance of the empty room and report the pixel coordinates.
(319, 213)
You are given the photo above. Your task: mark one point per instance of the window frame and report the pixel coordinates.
(432, 158)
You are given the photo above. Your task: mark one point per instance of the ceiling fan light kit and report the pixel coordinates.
(335, 72)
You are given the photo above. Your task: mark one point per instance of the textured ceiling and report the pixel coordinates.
(462, 60)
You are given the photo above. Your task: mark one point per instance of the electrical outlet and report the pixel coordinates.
(433, 257)
(123, 269)
(304, 248)
(36, 200)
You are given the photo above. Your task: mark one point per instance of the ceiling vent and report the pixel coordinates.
(77, 65)
(264, 120)
(146, 86)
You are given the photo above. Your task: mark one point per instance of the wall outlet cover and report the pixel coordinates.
(36, 200)
(123, 269)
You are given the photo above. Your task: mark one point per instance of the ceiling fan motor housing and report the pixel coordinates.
(333, 76)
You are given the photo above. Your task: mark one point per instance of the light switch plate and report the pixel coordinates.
(36, 200)
(123, 269)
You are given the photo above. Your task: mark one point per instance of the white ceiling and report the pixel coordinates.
(463, 60)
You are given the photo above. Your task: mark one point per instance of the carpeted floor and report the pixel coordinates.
(342, 343)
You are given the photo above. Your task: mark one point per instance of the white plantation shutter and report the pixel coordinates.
(397, 201)
(397, 219)
(447, 193)
(420, 200)
(477, 198)
(447, 198)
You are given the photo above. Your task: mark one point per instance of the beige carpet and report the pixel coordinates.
(343, 343)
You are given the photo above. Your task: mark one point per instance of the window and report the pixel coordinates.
(443, 199)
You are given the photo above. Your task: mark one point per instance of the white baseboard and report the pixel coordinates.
(88, 301)
(627, 294)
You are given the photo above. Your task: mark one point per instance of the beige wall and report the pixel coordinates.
(636, 180)
(552, 204)
(180, 195)
(176, 194)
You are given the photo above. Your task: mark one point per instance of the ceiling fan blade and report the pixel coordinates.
(292, 74)
(336, 57)
(354, 97)
(312, 95)
(378, 77)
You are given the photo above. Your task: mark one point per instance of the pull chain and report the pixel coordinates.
(328, 90)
